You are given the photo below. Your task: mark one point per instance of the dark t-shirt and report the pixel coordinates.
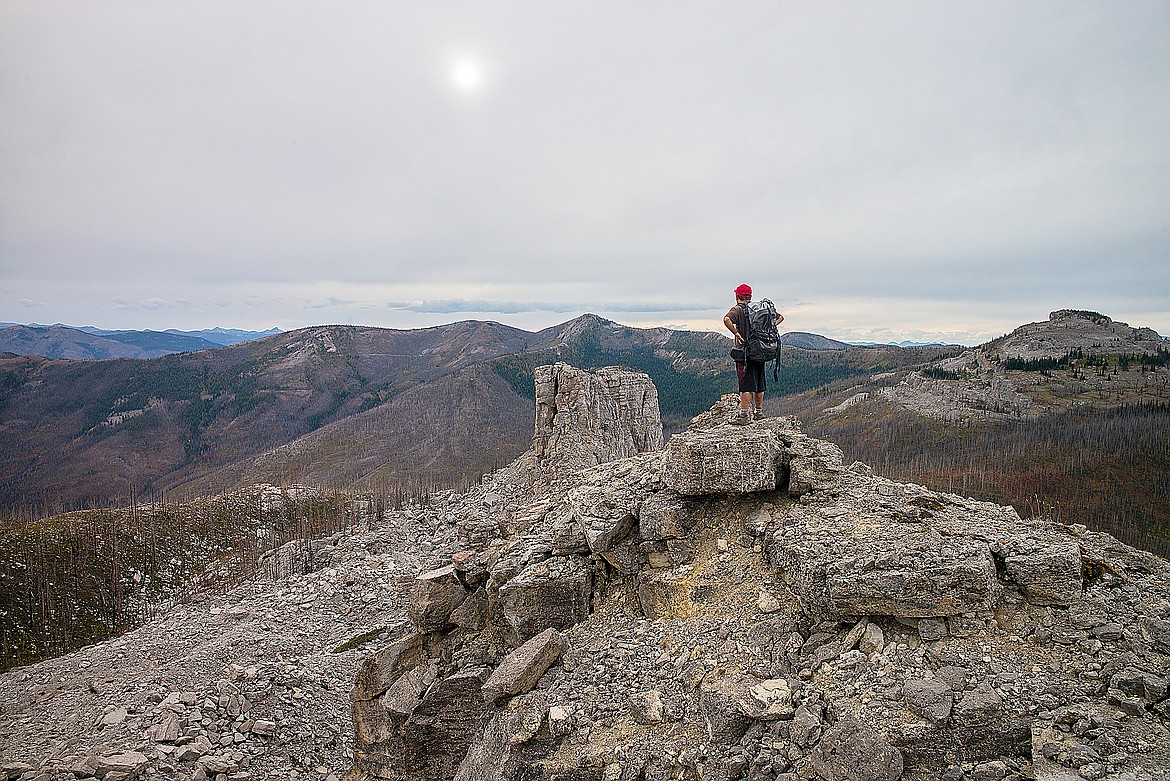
(739, 316)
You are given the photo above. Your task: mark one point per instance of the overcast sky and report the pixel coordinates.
(881, 170)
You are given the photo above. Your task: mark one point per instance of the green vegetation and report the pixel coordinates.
(939, 373)
(359, 641)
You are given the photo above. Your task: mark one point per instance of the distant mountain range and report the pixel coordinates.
(382, 409)
(94, 344)
(904, 343)
(90, 343)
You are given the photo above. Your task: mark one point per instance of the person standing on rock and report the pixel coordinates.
(751, 372)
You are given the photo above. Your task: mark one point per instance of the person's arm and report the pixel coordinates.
(730, 325)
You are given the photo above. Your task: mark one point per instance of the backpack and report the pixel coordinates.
(763, 340)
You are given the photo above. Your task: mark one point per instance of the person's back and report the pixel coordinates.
(740, 321)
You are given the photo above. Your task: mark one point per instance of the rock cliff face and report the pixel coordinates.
(742, 605)
(583, 418)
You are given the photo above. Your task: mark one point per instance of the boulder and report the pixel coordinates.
(646, 706)
(606, 513)
(472, 612)
(813, 465)
(437, 735)
(434, 596)
(730, 703)
(980, 707)
(851, 566)
(523, 667)
(724, 460)
(725, 702)
(666, 515)
(380, 670)
(930, 698)
(128, 763)
(553, 593)
(1046, 566)
(850, 751)
(584, 419)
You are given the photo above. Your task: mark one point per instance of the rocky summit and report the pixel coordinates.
(736, 604)
(1038, 368)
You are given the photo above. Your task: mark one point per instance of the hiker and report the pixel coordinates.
(750, 370)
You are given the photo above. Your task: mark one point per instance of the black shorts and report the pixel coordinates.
(751, 379)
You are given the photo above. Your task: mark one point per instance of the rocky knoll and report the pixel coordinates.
(1067, 330)
(980, 385)
(742, 605)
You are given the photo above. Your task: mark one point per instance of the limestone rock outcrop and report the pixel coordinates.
(742, 605)
(1068, 330)
(586, 418)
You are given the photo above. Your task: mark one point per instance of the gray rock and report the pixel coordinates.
(1046, 566)
(625, 556)
(553, 593)
(666, 515)
(930, 698)
(873, 639)
(606, 513)
(14, 770)
(126, 762)
(434, 596)
(722, 461)
(931, 629)
(647, 706)
(560, 721)
(472, 612)
(807, 726)
(584, 419)
(814, 466)
(521, 669)
(980, 707)
(437, 735)
(850, 751)
(167, 730)
(725, 702)
(849, 566)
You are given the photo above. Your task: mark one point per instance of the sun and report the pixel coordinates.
(466, 75)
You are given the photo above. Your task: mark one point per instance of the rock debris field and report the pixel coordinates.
(738, 604)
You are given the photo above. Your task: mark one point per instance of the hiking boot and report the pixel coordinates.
(758, 414)
(741, 418)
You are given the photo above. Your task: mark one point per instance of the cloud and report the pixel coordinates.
(329, 303)
(936, 167)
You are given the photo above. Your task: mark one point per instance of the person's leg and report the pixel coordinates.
(760, 403)
(745, 400)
